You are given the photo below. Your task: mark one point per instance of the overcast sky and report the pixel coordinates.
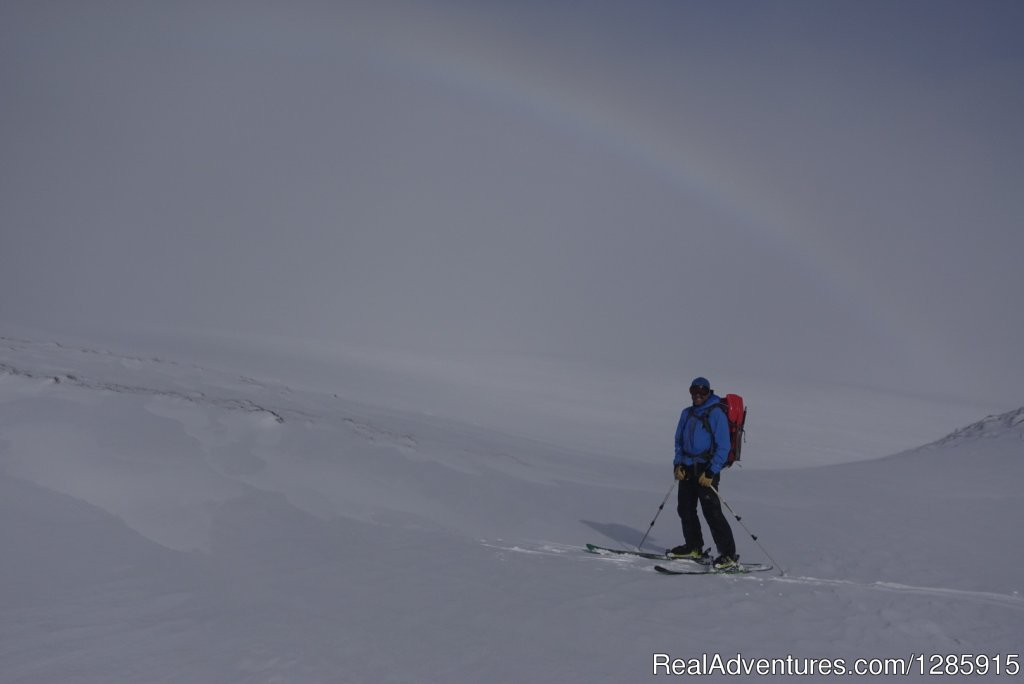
(804, 189)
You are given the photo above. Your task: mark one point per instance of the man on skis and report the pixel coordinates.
(702, 450)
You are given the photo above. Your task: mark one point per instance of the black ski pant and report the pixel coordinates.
(690, 492)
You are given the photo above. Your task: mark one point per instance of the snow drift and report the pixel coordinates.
(164, 521)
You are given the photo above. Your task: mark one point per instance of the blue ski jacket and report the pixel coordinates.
(693, 442)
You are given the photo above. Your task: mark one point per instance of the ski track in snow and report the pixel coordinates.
(1004, 600)
(1012, 601)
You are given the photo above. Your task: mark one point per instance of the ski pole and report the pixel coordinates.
(753, 536)
(656, 515)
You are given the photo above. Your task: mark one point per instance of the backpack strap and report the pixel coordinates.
(705, 422)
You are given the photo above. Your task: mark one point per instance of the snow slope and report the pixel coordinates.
(167, 522)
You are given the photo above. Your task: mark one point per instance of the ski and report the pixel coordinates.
(742, 569)
(604, 550)
(704, 566)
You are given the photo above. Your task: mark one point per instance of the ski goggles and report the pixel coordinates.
(699, 391)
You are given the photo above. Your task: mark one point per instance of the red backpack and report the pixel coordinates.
(736, 414)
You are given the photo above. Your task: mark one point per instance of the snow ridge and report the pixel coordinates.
(1009, 423)
(196, 397)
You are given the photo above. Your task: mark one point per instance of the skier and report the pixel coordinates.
(702, 448)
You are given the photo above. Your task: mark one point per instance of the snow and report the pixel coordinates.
(165, 520)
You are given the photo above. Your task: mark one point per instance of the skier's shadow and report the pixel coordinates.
(621, 533)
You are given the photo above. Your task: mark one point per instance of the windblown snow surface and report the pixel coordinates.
(166, 522)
